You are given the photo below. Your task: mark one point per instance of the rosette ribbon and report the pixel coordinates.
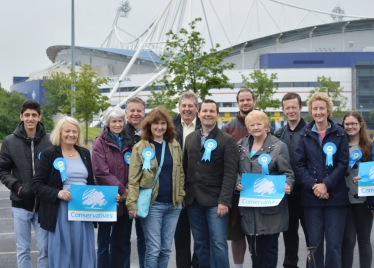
(127, 158)
(354, 157)
(148, 154)
(209, 146)
(39, 155)
(60, 164)
(264, 160)
(329, 149)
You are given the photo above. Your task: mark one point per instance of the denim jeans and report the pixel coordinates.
(326, 222)
(23, 219)
(159, 228)
(358, 225)
(113, 243)
(209, 234)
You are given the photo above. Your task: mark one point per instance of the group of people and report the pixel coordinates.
(195, 172)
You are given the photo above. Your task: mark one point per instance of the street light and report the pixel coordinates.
(361, 109)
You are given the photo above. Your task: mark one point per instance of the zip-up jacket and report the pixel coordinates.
(179, 128)
(310, 164)
(18, 162)
(291, 139)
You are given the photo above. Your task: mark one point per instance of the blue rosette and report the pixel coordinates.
(355, 156)
(209, 146)
(39, 155)
(264, 160)
(329, 149)
(127, 158)
(148, 154)
(60, 164)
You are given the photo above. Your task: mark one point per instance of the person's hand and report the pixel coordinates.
(183, 204)
(287, 189)
(222, 210)
(239, 187)
(19, 190)
(118, 198)
(319, 190)
(132, 213)
(355, 179)
(372, 211)
(124, 195)
(325, 196)
(64, 195)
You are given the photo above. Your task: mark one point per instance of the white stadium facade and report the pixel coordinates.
(342, 50)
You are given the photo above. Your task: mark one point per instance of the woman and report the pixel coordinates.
(359, 219)
(321, 160)
(167, 195)
(70, 243)
(110, 163)
(262, 225)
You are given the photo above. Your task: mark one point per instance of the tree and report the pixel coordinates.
(263, 88)
(10, 108)
(86, 98)
(161, 98)
(334, 92)
(191, 68)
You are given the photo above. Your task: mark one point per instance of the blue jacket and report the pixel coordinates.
(310, 164)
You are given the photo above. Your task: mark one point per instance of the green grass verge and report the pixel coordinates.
(93, 132)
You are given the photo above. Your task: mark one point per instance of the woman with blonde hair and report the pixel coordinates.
(70, 243)
(157, 149)
(321, 160)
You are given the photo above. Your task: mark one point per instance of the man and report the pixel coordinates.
(18, 161)
(185, 123)
(289, 134)
(236, 128)
(135, 112)
(210, 165)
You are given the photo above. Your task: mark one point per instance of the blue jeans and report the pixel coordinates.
(159, 228)
(326, 222)
(113, 243)
(22, 230)
(209, 233)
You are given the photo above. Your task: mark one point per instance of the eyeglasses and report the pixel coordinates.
(351, 124)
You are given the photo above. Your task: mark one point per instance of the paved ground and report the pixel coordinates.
(8, 250)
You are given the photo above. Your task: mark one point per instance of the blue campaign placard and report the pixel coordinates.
(262, 190)
(92, 203)
(366, 183)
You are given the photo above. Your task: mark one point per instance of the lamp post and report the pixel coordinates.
(72, 55)
(361, 109)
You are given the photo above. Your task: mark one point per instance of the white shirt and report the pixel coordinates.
(188, 129)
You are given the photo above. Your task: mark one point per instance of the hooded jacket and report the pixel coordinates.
(108, 163)
(265, 220)
(18, 162)
(310, 166)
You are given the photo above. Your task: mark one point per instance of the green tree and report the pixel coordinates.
(161, 98)
(263, 88)
(334, 92)
(86, 98)
(10, 107)
(191, 68)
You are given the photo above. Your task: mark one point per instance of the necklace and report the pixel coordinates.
(70, 153)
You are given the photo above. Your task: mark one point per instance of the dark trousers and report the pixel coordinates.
(140, 242)
(291, 236)
(182, 239)
(264, 250)
(359, 222)
(326, 222)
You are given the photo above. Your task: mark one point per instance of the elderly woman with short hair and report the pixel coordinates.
(262, 225)
(111, 167)
(70, 243)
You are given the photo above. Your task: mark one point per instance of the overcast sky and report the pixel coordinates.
(29, 27)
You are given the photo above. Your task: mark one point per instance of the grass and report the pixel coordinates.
(93, 132)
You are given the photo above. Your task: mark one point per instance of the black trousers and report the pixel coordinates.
(291, 236)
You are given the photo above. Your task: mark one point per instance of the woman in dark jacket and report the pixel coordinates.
(70, 243)
(262, 225)
(111, 153)
(321, 161)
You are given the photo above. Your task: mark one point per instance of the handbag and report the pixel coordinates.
(145, 194)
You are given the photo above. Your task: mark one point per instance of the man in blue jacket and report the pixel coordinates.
(18, 161)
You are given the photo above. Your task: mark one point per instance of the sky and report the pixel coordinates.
(29, 27)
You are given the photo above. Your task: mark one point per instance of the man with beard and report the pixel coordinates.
(236, 128)
(185, 123)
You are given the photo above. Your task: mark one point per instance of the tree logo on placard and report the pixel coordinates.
(93, 198)
(263, 186)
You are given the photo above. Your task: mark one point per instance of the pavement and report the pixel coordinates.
(8, 247)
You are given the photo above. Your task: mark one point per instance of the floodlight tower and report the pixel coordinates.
(124, 9)
(338, 14)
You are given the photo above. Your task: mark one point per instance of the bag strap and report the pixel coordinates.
(161, 163)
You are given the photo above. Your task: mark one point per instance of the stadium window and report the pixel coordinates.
(309, 62)
(284, 84)
(300, 84)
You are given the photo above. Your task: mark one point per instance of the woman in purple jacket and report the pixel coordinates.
(110, 161)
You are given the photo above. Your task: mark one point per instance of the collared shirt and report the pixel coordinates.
(203, 138)
(187, 129)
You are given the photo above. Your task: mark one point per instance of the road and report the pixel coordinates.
(8, 248)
